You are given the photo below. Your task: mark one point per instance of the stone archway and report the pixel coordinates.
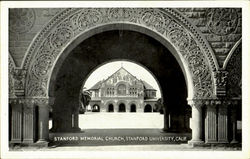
(167, 26)
(110, 108)
(121, 107)
(148, 108)
(132, 108)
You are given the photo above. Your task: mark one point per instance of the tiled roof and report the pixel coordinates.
(96, 86)
(147, 86)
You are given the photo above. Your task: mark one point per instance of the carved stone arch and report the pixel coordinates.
(234, 69)
(229, 56)
(108, 103)
(167, 26)
(12, 66)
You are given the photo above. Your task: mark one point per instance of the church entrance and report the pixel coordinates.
(122, 108)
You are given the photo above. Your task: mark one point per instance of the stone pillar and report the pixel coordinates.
(211, 123)
(75, 122)
(166, 119)
(28, 122)
(222, 123)
(116, 108)
(43, 120)
(196, 122)
(233, 123)
(16, 123)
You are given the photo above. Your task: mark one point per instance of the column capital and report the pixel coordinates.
(220, 77)
(198, 103)
(19, 81)
(32, 101)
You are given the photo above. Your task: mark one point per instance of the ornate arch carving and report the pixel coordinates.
(167, 23)
(11, 65)
(234, 69)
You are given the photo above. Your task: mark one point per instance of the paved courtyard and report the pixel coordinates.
(120, 120)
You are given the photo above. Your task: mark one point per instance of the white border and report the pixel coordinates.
(245, 153)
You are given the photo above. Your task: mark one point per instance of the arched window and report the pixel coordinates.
(121, 90)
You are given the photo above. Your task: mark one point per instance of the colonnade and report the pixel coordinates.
(29, 120)
(213, 121)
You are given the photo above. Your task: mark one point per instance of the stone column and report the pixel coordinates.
(211, 123)
(166, 119)
(196, 122)
(233, 123)
(28, 122)
(116, 108)
(222, 123)
(16, 123)
(43, 120)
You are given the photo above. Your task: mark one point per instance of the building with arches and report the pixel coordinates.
(194, 53)
(123, 92)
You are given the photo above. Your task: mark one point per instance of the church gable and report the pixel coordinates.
(122, 75)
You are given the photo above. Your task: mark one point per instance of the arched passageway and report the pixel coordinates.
(96, 108)
(122, 108)
(148, 109)
(133, 108)
(111, 108)
(116, 45)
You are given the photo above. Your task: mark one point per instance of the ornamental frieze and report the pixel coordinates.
(74, 22)
(11, 80)
(21, 20)
(222, 21)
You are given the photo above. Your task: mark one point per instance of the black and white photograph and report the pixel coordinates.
(106, 80)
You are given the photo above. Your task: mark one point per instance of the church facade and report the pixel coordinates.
(122, 92)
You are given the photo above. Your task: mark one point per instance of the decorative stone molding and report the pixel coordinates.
(71, 23)
(215, 101)
(223, 101)
(19, 76)
(31, 101)
(11, 65)
(196, 102)
(220, 82)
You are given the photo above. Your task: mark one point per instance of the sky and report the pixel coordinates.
(106, 70)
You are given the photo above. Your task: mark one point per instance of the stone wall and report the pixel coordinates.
(221, 27)
(24, 24)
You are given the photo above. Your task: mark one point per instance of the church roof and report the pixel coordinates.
(96, 86)
(145, 84)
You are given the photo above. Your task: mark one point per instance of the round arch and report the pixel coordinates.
(122, 107)
(184, 42)
(133, 107)
(148, 108)
(96, 108)
(107, 105)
